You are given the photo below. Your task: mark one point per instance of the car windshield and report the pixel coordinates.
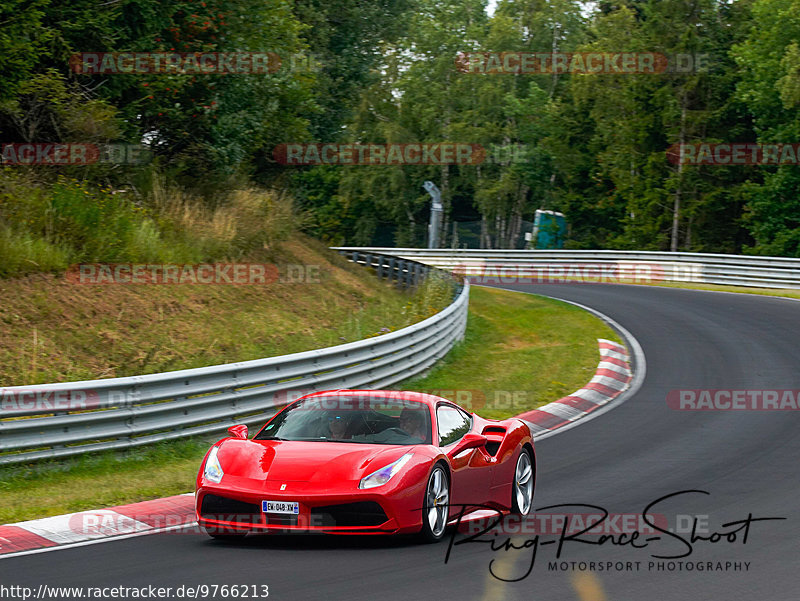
(354, 419)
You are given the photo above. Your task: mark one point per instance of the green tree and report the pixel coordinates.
(770, 64)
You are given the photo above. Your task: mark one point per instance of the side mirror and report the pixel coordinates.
(239, 431)
(469, 441)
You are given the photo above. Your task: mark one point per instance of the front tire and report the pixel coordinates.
(523, 483)
(435, 506)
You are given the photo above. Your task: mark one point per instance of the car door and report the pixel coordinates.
(472, 468)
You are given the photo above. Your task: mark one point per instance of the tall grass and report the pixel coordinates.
(47, 227)
(432, 296)
(22, 252)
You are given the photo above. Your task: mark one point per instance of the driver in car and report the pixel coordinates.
(412, 422)
(338, 424)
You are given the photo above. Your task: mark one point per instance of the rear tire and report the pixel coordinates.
(522, 485)
(435, 506)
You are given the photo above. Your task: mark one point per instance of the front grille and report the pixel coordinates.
(364, 513)
(281, 519)
(223, 509)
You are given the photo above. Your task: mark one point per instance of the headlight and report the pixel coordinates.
(213, 470)
(383, 475)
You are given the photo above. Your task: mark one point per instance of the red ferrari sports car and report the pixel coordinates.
(366, 462)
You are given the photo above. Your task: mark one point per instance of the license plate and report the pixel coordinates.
(289, 507)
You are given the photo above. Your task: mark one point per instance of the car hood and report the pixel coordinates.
(296, 461)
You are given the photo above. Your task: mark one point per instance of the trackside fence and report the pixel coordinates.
(582, 265)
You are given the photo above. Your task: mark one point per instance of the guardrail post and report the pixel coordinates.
(406, 267)
(393, 271)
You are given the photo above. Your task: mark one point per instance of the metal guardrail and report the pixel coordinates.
(736, 270)
(132, 411)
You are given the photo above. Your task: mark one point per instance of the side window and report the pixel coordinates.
(452, 423)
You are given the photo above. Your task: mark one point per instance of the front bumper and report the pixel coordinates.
(236, 508)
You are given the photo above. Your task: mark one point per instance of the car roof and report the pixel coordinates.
(404, 395)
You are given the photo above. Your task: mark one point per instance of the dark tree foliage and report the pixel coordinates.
(592, 145)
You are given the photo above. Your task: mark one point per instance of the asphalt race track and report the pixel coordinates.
(624, 459)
